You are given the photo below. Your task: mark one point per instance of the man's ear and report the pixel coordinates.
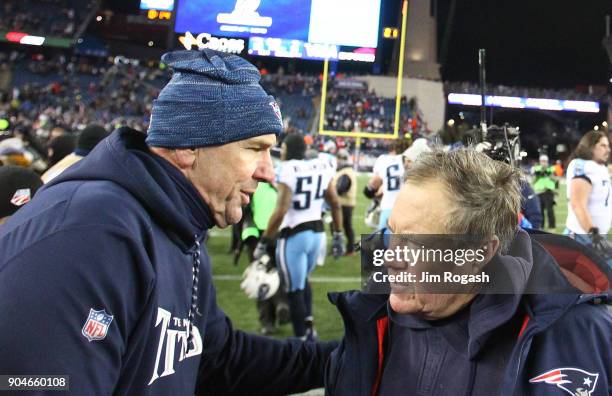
(185, 159)
(489, 248)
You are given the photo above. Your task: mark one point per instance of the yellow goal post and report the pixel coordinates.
(398, 94)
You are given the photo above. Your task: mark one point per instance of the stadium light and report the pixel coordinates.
(512, 102)
(398, 94)
(24, 38)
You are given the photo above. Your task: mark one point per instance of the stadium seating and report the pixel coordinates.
(60, 18)
(298, 110)
(530, 92)
(351, 110)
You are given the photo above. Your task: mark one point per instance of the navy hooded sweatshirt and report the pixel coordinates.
(97, 281)
(547, 344)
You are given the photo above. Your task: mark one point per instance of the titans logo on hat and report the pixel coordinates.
(277, 111)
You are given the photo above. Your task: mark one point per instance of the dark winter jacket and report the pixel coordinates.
(562, 341)
(97, 281)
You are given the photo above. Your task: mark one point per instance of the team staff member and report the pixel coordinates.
(545, 185)
(104, 276)
(588, 189)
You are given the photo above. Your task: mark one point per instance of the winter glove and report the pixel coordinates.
(261, 248)
(337, 245)
(600, 242)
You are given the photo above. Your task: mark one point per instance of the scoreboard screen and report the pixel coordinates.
(160, 5)
(351, 23)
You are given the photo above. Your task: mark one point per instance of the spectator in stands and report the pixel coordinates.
(50, 17)
(407, 342)
(18, 187)
(87, 140)
(56, 132)
(59, 91)
(345, 183)
(133, 277)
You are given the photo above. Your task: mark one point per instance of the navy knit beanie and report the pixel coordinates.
(213, 98)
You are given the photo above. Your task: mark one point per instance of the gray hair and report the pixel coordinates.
(486, 193)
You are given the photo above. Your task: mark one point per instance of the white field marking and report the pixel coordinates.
(216, 232)
(315, 279)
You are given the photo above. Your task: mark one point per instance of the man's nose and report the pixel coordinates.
(265, 169)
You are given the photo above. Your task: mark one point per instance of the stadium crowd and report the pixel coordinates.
(39, 93)
(43, 98)
(281, 83)
(59, 18)
(364, 111)
(74, 91)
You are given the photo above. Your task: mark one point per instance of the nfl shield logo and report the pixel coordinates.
(96, 325)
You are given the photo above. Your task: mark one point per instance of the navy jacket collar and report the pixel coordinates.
(164, 191)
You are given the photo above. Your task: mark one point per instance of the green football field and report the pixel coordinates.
(339, 275)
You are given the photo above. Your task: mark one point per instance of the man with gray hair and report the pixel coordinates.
(104, 276)
(523, 332)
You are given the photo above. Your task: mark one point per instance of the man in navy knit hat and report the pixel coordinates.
(104, 276)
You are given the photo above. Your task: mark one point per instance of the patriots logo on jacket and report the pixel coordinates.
(574, 381)
(96, 325)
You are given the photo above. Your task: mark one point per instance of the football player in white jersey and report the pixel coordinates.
(588, 189)
(388, 177)
(303, 186)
